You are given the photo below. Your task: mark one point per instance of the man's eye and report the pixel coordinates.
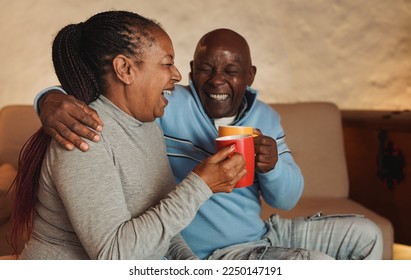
(232, 73)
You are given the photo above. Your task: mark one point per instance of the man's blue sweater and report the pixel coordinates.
(227, 218)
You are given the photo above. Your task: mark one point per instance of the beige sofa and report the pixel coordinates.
(313, 132)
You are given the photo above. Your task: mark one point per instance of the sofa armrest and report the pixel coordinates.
(17, 124)
(7, 175)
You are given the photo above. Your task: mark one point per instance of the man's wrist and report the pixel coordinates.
(39, 99)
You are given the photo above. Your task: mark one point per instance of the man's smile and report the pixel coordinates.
(218, 97)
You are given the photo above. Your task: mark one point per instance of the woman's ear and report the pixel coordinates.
(123, 69)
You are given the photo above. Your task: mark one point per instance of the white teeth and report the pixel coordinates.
(168, 92)
(219, 97)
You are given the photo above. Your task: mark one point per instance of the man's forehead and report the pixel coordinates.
(221, 49)
(220, 55)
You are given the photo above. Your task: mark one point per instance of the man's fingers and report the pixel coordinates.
(59, 139)
(264, 158)
(81, 130)
(263, 167)
(257, 132)
(73, 138)
(65, 137)
(87, 116)
(94, 115)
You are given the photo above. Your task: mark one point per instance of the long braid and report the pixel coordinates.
(26, 184)
(82, 55)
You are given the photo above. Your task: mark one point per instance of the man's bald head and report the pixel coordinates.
(221, 71)
(224, 39)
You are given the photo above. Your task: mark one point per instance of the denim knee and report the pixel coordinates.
(371, 233)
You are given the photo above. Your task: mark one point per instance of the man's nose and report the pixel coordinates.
(216, 78)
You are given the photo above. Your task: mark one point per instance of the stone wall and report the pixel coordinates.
(354, 53)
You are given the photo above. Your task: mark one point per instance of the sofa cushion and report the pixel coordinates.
(7, 175)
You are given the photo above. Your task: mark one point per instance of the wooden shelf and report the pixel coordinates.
(362, 145)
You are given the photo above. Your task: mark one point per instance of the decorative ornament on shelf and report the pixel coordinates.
(390, 161)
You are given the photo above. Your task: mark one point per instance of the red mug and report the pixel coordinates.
(244, 144)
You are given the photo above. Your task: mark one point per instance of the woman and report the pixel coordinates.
(120, 200)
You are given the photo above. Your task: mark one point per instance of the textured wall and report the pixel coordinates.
(354, 53)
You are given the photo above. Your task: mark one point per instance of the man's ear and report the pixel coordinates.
(251, 75)
(123, 69)
(190, 75)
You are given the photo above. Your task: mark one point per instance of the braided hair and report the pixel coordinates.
(82, 55)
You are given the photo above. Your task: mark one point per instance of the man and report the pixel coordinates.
(228, 226)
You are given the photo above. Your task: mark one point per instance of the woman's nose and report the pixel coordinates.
(176, 76)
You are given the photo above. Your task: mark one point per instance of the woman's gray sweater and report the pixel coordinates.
(118, 200)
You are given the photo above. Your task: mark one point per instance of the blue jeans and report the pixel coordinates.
(344, 236)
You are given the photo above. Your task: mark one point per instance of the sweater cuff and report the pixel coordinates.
(199, 185)
(42, 93)
(276, 171)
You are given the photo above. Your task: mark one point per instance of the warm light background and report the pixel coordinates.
(354, 53)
